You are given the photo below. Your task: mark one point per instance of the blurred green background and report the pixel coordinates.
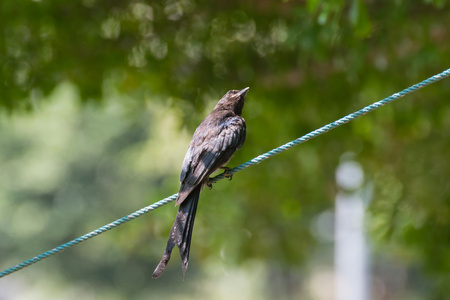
(99, 100)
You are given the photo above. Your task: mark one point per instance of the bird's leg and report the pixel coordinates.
(226, 173)
(209, 184)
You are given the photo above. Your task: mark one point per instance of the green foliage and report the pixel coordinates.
(99, 100)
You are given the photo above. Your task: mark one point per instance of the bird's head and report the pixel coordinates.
(233, 100)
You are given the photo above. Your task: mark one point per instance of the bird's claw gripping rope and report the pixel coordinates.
(226, 173)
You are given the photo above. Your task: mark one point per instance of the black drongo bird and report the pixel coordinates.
(214, 142)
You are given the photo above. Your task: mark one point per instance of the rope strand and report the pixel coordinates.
(245, 165)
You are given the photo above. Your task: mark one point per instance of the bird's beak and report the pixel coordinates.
(243, 92)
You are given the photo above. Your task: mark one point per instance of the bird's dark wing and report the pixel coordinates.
(212, 147)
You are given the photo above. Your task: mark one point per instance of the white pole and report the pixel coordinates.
(351, 253)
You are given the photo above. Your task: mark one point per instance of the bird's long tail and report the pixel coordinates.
(181, 233)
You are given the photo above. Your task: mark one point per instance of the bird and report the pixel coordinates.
(213, 144)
